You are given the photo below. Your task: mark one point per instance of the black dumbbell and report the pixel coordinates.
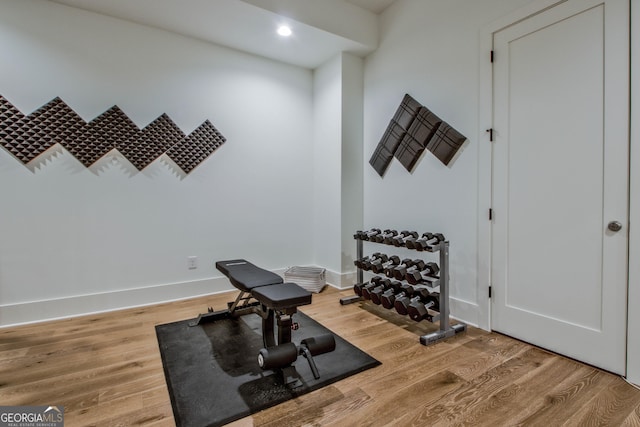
(386, 234)
(367, 265)
(358, 287)
(401, 304)
(428, 241)
(398, 289)
(361, 262)
(401, 239)
(368, 235)
(411, 243)
(388, 239)
(418, 310)
(400, 271)
(386, 286)
(358, 262)
(378, 266)
(388, 297)
(428, 270)
(379, 283)
(365, 235)
(389, 270)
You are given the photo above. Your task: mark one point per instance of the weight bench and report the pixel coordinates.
(265, 293)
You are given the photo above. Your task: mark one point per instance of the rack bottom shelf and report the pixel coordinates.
(432, 338)
(350, 299)
(440, 335)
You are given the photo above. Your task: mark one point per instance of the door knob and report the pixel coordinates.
(614, 226)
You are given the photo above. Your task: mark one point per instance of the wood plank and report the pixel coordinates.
(299, 411)
(513, 402)
(633, 420)
(611, 406)
(456, 403)
(490, 351)
(567, 396)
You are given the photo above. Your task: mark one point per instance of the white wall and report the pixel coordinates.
(429, 49)
(327, 163)
(337, 190)
(69, 234)
(352, 167)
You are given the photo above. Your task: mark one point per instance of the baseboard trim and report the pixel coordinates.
(340, 280)
(81, 305)
(464, 311)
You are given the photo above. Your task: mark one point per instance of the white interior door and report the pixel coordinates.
(560, 176)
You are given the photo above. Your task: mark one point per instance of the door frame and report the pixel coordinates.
(633, 316)
(485, 167)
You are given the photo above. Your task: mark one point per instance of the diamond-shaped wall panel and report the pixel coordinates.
(26, 137)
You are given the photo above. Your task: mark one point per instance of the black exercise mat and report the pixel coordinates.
(213, 375)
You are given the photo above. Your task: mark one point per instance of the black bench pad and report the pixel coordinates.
(246, 276)
(282, 296)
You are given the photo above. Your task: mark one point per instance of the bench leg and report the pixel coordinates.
(284, 329)
(211, 316)
(268, 336)
(237, 308)
(285, 324)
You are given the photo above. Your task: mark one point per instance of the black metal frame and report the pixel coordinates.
(243, 305)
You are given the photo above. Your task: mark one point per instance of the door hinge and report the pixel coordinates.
(489, 291)
(490, 130)
(492, 57)
(490, 214)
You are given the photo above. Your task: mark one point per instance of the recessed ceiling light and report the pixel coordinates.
(284, 31)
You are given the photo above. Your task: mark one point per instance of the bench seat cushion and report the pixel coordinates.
(282, 296)
(246, 276)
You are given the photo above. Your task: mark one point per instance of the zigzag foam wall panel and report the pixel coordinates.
(28, 136)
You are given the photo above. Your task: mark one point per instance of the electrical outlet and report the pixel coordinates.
(192, 262)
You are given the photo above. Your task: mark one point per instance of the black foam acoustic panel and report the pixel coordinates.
(153, 141)
(407, 111)
(445, 143)
(387, 146)
(422, 129)
(414, 129)
(28, 136)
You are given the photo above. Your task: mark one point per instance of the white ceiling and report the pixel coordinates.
(321, 28)
(375, 6)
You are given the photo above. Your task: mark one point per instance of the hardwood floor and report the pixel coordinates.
(106, 370)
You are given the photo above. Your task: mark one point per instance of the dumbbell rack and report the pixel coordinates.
(446, 329)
